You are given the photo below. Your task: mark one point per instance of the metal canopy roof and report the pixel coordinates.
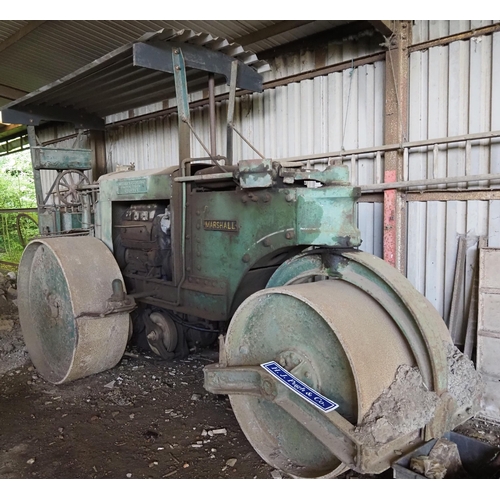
(134, 75)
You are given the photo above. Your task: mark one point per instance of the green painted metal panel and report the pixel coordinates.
(137, 185)
(62, 159)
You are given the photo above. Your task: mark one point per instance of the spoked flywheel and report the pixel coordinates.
(342, 324)
(68, 183)
(73, 311)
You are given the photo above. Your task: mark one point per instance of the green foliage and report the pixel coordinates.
(17, 190)
(16, 181)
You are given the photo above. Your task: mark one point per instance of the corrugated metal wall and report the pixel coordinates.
(454, 90)
(424, 31)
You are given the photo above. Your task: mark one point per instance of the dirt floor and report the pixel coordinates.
(145, 418)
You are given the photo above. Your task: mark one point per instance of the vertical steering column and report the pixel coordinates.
(179, 188)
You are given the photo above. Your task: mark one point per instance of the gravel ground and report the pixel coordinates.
(145, 418)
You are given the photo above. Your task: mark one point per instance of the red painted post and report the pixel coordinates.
(396, 114)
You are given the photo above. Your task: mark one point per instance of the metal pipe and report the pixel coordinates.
(15, 210)
(248, 142)
(213, 158)
(206, 177)
(428, 182)
(86, 212)
(464, 35)
(230, 112)
(211, 106)
(395, 147)
(191, 160)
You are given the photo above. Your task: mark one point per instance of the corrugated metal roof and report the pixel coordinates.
(9, 28)
(56, 48)
(118, 82)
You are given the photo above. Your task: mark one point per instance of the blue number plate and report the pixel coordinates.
(303, 390)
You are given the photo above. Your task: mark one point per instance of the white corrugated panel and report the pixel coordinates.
(454, 90)
(339, 110)
(434, 229)
(423, 31)
(370, 223)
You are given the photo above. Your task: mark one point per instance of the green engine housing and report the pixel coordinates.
(229, 231)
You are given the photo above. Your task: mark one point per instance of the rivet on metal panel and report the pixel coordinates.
(267, 242)
(289, 235)
(245, 258)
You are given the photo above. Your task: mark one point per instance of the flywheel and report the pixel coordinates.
(73, 322)
(346, 327)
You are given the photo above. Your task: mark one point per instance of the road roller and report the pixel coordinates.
(329, 356)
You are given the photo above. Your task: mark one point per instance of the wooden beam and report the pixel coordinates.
(27, 28)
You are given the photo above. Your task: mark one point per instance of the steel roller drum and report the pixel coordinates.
(63, 287)
(344, 337)
(348, 354)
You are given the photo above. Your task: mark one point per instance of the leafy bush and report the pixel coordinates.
(17, 190)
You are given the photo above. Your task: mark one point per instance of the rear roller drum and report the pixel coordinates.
(73, 322)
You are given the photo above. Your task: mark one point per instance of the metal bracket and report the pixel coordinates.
(331, 429)
(155, 55)
(119, 302)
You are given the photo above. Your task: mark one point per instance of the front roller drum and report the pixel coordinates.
(349, 337)
(67, 309)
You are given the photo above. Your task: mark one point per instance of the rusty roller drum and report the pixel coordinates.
(342, 325)
(64, 286)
